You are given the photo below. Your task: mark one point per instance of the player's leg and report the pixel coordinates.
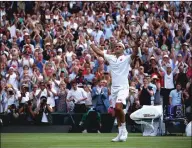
(118, 116)
(113, 99)
(119, 107)
(121, 118)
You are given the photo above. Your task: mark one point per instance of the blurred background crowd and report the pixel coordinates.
(47, 64)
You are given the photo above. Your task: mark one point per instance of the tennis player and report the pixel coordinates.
(119, 66)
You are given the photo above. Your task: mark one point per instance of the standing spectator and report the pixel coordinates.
(89, 76)
(146, 93)
(100, 97)
(97, 34)
(88, 101)
(79, 96)
(2, 96)
(62, 96)
(175, 96)
(12, 77)
(52, 95)
(40, 62)
(168, 83)
(181, 77)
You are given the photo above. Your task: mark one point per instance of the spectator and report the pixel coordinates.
(12, 78)
(181, 77)
(100, 97)
(175, 96)
(146, 93)
(89, 76)
(88, 101)
(91, 121)
(79, 96)
(44, 110)
(168, 83)
(62, 96)
(133, 96)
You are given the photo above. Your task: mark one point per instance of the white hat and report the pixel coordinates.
(152, 58)
(88, 55)
(166, 56)
(47, 44)
(10, 88)
(26, 33)
(179, 55)
(25, 85)
(168, 65)
(185, 44)
(11, 68)
(144, 34)
(145, 27)
(133, 16)
(155, 77)
(60, 50)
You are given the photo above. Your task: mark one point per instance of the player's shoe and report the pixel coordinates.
(84, 131)
(123, 136)
(117, 139)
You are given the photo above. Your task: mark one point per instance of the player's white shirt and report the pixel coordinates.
(119, 68)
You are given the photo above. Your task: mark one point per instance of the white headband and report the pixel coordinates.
(120, 43)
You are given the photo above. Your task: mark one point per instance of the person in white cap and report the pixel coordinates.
(119, 66)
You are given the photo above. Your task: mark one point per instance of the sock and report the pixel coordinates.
(123, 126)
(120, 128)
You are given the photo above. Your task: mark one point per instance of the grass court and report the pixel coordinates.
(90, 140)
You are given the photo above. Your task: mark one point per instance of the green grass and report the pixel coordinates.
(66, 140)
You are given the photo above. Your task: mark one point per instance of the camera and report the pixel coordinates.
(150, 87)
(43, 100)
(10, 92)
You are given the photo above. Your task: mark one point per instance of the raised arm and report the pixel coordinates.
(98, 51)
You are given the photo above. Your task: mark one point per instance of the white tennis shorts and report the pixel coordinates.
(119, 94)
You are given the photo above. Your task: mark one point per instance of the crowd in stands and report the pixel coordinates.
(47, 64)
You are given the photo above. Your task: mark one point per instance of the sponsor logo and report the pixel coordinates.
(148, 115)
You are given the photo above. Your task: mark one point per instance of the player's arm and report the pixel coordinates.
(98, 51)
